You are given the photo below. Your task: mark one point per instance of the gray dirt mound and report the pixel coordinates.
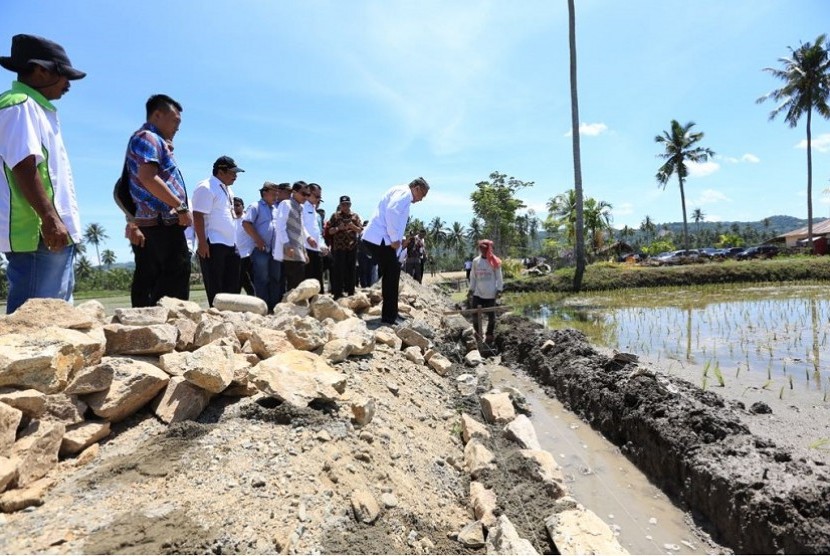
(748, 493)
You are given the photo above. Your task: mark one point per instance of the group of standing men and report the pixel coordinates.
(280, 238)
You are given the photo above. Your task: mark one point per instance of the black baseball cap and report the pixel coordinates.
(226, 163)
(345, 199)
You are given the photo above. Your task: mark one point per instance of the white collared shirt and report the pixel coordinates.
(312, 224)
(388, 223)
(215, 200)
(281, 229)
(244, 243)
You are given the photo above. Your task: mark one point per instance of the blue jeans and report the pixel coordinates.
(40, 273)
(267, 277)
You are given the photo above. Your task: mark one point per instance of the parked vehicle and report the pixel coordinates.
(758, 252)
(679, 257)
(729, 252)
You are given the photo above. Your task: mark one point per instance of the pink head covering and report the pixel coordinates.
(486, 247)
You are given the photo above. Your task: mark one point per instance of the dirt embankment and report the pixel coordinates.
(750, 494)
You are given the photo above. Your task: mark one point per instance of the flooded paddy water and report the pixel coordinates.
(757, 344)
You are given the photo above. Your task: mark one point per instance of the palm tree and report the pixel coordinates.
(580, 241)
(474, 231)
(562, 208)
(108, 257)
(456, 239)
(83, 268)
(95, 234)
(533, 230)
(679, 149)
(437, 233)
(698, 217)
(597, 221)
(806, 77)
(648, 227)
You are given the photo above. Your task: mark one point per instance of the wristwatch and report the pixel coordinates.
(182, 208)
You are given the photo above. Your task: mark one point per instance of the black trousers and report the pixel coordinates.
(491, 317)
(314, 268)
(294, 273)
(162, 266)
(246, 275)
(388, 264)
(220, 271)
(343, 273)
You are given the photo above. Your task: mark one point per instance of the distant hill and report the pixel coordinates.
(766, 228)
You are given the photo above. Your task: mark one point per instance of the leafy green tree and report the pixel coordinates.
(730, 239)
(679, 144)
(661, 245)
(806, 77)
(108, 257)
(580, 240)
(597, 221)
(496, 204)
(83, 268)
(562, 211)
(94, 235)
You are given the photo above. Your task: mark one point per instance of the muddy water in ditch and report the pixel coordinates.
(604, 481)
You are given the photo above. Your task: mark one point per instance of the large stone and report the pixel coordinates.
(324, 307)
(31, 402)
(483, 501)
(502, 538)
(581, 531)
(304, 291)
(478, 458)
(210, 367)
(472, 535)
(266, 342)
(355, 331)
(337, 350)
(89, 380)
(36, 360)
(90, 344)
(307, 334)
(470, 428)
(142, 316)
(455, 326)
(140, 340)
(440, 364)
(181, 309)
(298, 378)
(21, 498)
(520, 430)
(37, 450)
(209, 330)
(186, 329)
(8, 472)
(68, 409)
(358, 302)
(181, 401)
(244, 323)
(386, 336)
(411, 337)
(38, 313)
(9, 421)
(134, 383)
(413, 353)
(365, 507)
(94, 309)
(543, 467)
(363, 411)
(240, 303)
(473, 358)
(82, 435)
(497, 407)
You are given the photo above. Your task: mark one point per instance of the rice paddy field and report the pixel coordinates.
(765, 342)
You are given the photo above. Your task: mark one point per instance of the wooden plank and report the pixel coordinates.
(479, 310)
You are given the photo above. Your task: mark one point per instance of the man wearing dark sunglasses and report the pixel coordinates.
(291, 236)
(39, 220)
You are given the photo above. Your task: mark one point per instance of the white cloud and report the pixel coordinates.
(751, 158)
(623, 209)
(701, 169)
(709, 197)
(821, 143)
(590, 130)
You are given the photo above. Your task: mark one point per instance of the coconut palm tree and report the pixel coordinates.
(562, 209)
(648, 227)
(456, 239)
(474, 231)
(698, 216)
(108, 257)
(806, 77)
(597, 221)
(437, 233)
(83, 268)
(580, 241)
(679, 149)
(94, 235)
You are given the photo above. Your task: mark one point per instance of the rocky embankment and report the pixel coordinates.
(174, 429)
(748, 493)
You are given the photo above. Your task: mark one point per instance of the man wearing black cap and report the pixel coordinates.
(213, 222)
(156, 228)
(258, 222)
(344, 229)
(39, 221)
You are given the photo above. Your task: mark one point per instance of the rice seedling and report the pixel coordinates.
(790, 377)
(719, 375)
(821, 444)
(781, 393)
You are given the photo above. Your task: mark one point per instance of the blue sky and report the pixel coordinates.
(361, 95)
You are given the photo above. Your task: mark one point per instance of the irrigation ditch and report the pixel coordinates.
(747, 492)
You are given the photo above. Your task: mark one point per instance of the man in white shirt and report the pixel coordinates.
(383, 237)
(486, 284)
(314, 268)
(213, 222)
(244, 247)
(291, 237)
(39, 220)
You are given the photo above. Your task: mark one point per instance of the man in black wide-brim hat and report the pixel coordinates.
(39, 221)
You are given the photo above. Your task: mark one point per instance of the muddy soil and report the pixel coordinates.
(747, 492)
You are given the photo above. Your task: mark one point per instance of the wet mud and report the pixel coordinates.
(748, 493)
